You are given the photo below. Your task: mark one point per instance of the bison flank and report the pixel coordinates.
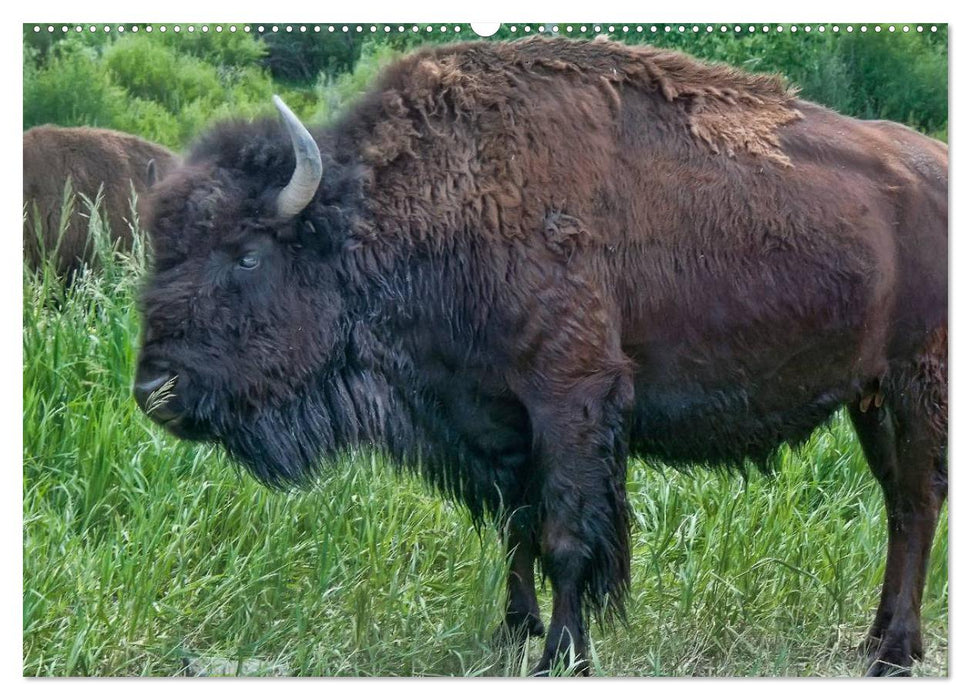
(92, 159)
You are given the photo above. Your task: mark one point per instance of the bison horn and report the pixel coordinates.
(307, 173)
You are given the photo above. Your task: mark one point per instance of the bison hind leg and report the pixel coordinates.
(904, 440)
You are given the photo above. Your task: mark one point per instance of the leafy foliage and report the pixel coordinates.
(165, 88)
(151, 70)
(51, 94)
(301, 58)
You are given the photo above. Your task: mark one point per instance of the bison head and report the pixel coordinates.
(243, 310)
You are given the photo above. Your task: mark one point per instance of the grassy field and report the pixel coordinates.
(143, 554)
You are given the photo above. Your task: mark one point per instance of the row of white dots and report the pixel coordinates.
(654, 29)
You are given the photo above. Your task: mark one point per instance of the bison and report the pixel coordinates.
(93, 159)
(512, 266)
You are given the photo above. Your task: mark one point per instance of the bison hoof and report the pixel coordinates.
(892, 657)
(882, 668)
(517, 629)
(868, 647)
(562, 662)
(580, 667)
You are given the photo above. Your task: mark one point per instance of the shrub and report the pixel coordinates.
(302, 57)
(149, 85)
(153, 71)
(900, 77)
(73, 89)
(244, 85)
(151, 121)
(217, 48)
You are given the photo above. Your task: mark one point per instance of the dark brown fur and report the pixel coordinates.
(527, 261)
(92, 159)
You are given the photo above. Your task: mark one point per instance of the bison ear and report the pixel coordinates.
(297, 230)
(151, 173)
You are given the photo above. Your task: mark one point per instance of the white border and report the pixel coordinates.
(450, 11)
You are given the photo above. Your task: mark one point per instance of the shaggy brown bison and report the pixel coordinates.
(92, 159)
(513, 265)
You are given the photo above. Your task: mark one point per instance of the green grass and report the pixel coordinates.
(141, 551)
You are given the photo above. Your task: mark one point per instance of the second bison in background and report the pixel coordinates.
(92, 159)
(513, 265)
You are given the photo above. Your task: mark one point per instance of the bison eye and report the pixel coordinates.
(249, 261)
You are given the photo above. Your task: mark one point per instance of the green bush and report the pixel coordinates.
(246, 83)
(42, 45)
(898, 77)
(160, 87)
(299, 58)
(153, 71)
(72, 89)
(151, 121)
(223, 48)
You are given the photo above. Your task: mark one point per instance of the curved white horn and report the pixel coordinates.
(308, 171)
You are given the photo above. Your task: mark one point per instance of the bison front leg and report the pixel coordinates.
(581, 448)
(522, 619)
(522, 609)
(904, 441)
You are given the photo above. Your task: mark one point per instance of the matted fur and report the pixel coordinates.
(94, 160)
(527, 261)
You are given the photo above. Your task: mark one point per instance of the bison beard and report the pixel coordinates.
(283, 446)
(522, 262)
